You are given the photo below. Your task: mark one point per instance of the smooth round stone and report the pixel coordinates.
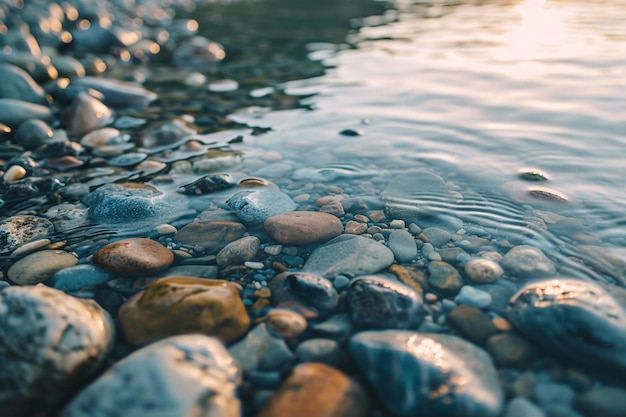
(402, 245)
(101, 137)
(473, 297)
(181, 305)
(315, 290)
(180, 376)
(17, 230)
(432, 374)
(260, 349)
(482, 271)
(40, 266)
(303, 227)
(115, 93)
(349, 254)
(603, 401)
(239, 251)
(19, 85)
(582, 321)
(317, 390)
(30, 247)
(326, 351)
(509, 349)
(471, 323)
(378, 303)
(521, 407)
(81, 276)
(51, 344)
(437, 237)
(212, 235)
(444, 278)
(33, 133)
(285, 323)
(86, 114)
(15, 112)
(128, 159)
(527, 262)
(256, 205)
(134, 257)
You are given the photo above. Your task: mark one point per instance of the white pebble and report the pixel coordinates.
(165, 229)
(397, 224)
(254, 265)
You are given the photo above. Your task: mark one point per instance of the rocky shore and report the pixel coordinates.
(149, 268)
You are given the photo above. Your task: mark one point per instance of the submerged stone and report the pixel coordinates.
(527, 262)
(428, 375)
(17, 230)
(134, 257)
(256, 205)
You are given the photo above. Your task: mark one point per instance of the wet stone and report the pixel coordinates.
(81, 276)
(471, 323)
(326, 351)
(436, 237)
(527, 262)
(579, 320)
(182, 376)
(521, 407)
(134, 257)
(40, 266)
(509, 349)
(444, 278)
(433, 374)
(51, 344)
(348, 254)
(314, 290)
(285, 323)
(402, 245)
(87, 113)
(604, 401)
(17, 230)
(482, 271)
(379, 303)
(212, 235)
(17, 84)
(33, 133)
(180, 305)
(238, 252)
(115, 93)
(473, 297)
(257, 205)
(303, 227)
(259, 347)
(316, 390)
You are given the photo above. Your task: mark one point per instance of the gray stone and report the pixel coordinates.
(379, 303)
(348, 254)
(81, 276)
(444, 278)
(325, 351)
(482, 271)
(402, 245)
(580, 320)
(473, 297)
(428, 374)
(527, 262)
(238, 252)
(437, 237)
(338, 327)
(17, 230)
(40, 266)
(602, 401)
(183, 376)
(551, 393)
(521, 407)
(50, 343)
(258, 346)
(19, 85)
(256, 205)
(15, 112)
(314, 290)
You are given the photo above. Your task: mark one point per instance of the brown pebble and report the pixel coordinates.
(285, 323)
(412, 277)
(259, 304)
(212, 235)
(317, 390)
(502, 324)
(263, 293)
(508, 349)
(134, 257)
(303, 227)
(472, 323)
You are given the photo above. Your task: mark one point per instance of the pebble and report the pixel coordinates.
(165, 229)
(30, 247)
(444, 278)
(134, 257)
(238, 252)
(402, 245)
(315, 290)
(582, 321)
(553, 393)
(258, 204)
(179, 376)
(285, 323)
(326, 351)
(338, 327)
(432, 374)
(40, 266)
(482, 271)
(379, 303)
(76, 277)
(349, 254)
(182, 305)
(355, 228)
(17, 84)
(86, 114)
(435, 236)
(212, 235)
(260, 349)
(52, 343)
(510, 350)
(317, 390)
(18, 230)
(606, 401)
(15, 112)
(473, 297)
(521, 407)
(527, 262)
(334, 208)
(33, 133)
(303, 227)
(472, 323)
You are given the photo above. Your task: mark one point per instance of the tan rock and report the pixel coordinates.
(213, 235)
(303, 227)
(285, 323)
(134, 257)
(238, 252)
(183, 305)
(40, 266)
(317, 390)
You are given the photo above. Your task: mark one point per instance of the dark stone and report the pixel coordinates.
(472, 323)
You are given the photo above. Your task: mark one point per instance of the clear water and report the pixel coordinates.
(475, 91)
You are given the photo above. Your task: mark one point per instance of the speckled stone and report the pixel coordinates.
(444, 278)
(134, 257)
(212, 235)
(427, 374)
(583, 321)
(527, 262)
(238, 252)
(379, 303)
(182, 376)
(482, 271)
(402, 245)
(51, 344)
(303, 227)
(40, 266)
(349, 254)
(317, 390)
(17, 230)
(180, 305)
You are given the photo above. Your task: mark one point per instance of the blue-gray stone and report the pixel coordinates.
(583, 321)
(437, 237)
(473, 297)
(19, 85)
(315, 290)
(428, 374)
(527, 262)
(325, 351)
(81, 276)
(15, 112)
(259, 349)
(379, 303)
(256, 205)
(521, 407)
(402, 245)
(349, 254)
